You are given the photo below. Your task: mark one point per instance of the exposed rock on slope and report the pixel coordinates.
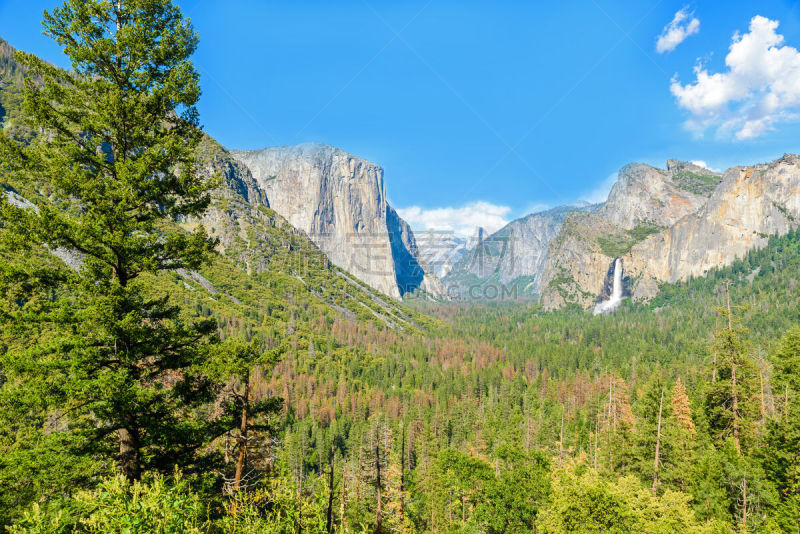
(644, 195)
(264, 244)
(339, 200)
(407, 258)
(514, 255)
(236, 177)
(577, 265)
(528, 241)
(289, 282)
(643, 201)
(750, 204)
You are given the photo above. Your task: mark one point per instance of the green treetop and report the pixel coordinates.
(731, 399)
(114, 162)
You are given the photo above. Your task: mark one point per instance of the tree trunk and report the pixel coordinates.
(378, 482)
(449, 509)
(658, 445)
(358, 470)
(561, 443)
(735, 396)
(330, 496)
(761, 386)
(744, 502)
(344, 495)
(242, 439)
(129, 453)
(610, 431)
(734, 392)
(402, 473)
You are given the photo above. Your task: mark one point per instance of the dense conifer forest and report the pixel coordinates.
(150, 383)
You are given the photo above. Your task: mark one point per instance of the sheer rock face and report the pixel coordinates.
(529, 240)
(643, 198)
(339, 200)
(576, 267)
(411, 272)
(707, 221)
(215, 160)
(645, 195)
(516, 251)
(750, 204)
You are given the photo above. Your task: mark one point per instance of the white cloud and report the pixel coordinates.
(682, 26)
(461, 221)
(760, 87)
(701, 163)
(601, 191)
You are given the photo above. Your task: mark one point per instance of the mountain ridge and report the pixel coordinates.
(668, 225)
(568, 260)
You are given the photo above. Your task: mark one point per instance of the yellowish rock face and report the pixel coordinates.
(697, 225)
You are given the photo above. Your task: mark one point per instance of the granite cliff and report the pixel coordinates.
(339, 201)
(647, 196)
(749, 205)
(512, 256)
(643, 201)
(670, 225)
(577, 262)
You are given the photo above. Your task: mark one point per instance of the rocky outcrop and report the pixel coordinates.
(647, 196)
(669, 225)
(513, 255)
(577, 264)
(528, 242)
(236, 178)
(339, 201)
(643, 201)
(749, 205)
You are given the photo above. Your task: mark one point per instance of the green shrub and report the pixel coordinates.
(157, 505)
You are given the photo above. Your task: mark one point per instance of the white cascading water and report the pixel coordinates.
(607, 306)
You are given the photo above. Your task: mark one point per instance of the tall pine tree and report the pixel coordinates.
(782, 452)
(731, 399)
(105, 367)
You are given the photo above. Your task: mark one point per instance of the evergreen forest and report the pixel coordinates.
(151, 381)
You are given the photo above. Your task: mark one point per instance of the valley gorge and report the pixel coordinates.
(204, 339)
(667, 224)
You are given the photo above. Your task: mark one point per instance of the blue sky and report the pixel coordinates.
(481, 112)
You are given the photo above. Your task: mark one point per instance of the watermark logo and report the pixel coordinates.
(467, 268)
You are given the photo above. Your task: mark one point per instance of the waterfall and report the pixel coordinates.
(607, 306)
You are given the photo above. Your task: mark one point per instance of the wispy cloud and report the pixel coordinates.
(682, 26)
(760, 87)
(461, 220)
(600, 192)
(701, 163)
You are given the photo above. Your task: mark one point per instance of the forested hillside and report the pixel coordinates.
(206, 369)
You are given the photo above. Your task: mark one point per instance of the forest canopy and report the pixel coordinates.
(151, 381)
